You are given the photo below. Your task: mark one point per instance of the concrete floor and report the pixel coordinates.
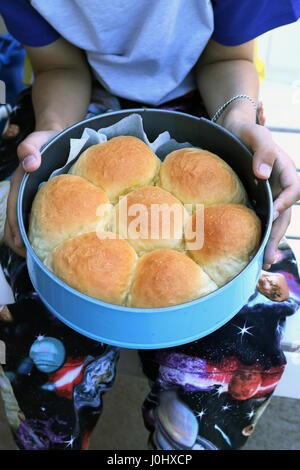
(121, 425)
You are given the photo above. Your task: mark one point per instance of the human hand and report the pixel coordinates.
(271, 162)
(30, 159)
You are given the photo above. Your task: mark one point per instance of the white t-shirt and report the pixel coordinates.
(143, 50)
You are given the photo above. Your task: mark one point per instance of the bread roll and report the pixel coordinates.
(99, 267)
(232, 234)
(197, 176)
(65, 206)
(118, 166)
(151, 218)
(167, 277)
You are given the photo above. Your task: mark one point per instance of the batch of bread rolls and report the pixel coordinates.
(95, 229)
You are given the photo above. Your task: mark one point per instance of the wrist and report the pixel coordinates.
(241, 110)
(49, 125)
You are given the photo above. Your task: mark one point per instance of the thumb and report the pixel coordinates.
(29, 149)
(259, 139)
(265, 152)
(263, 161)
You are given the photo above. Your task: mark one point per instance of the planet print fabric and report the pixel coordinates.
(205, 395)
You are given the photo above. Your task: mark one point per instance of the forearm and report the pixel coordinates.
(61, 97)
(219, 81)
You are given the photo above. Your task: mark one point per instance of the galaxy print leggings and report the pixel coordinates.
(207, 394)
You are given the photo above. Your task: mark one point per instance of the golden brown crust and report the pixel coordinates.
(65, 206)
(197, 176)
(232, 234)
(98, 267)
(151, 218)
(167, 277)
(119, 165)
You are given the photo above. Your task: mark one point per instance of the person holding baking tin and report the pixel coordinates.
(196, 57)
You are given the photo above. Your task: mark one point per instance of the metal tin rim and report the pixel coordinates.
(136, 345)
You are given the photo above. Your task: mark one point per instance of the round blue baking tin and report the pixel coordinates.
(159, 327)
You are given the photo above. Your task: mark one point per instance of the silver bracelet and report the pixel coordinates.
(221, 109)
